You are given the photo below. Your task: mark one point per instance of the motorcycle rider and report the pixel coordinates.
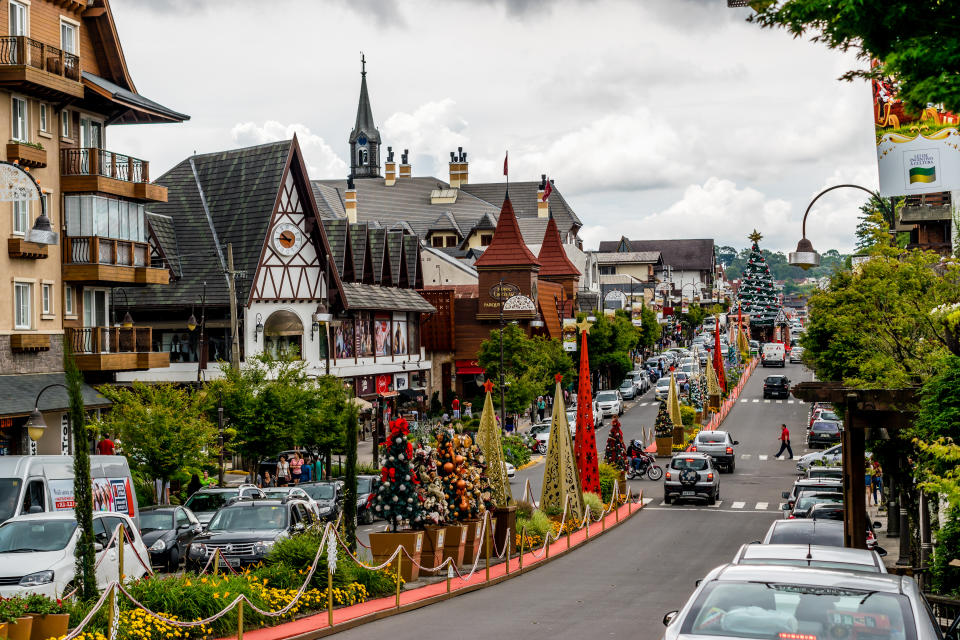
(636, 454)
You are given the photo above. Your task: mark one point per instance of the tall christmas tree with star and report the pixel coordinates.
(758, 293)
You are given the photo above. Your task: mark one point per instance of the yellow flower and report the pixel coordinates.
(216, 595)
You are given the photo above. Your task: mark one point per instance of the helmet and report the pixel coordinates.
(636, 443)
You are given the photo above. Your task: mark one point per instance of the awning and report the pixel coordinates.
(18, 392)
(125, 106)
(469, 367)
(362, 404)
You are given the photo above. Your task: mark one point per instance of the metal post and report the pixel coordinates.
(904, 559)
(506, 545)
(121, 539)
(216, 562)
(329, 597)
(240, 620)
(220, 441)
(523, 538)
(399, 561)
(487, 545)
(926, 545)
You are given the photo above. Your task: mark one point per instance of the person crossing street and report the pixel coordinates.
(784, 442)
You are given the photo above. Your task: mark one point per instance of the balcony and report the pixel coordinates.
(39, 69)
(96, 260)
(115, 348)
(927, 207)
(92, 170)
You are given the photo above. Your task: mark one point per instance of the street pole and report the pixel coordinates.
(203, 318)
(220, 439)
(234, 333)
(503, 418)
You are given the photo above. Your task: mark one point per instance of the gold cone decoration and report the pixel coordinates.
(488, 437)
(561, 480)
(673, 403)
(743, 346)
(713, 385)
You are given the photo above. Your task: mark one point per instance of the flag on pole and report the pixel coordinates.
(547, 190)
(505, 155)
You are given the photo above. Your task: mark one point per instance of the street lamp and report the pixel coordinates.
(19, 185)
(805, 256)
(36, 425)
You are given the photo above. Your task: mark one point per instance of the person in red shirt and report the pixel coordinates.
(784, 442)
(455, 405)
(106, 447)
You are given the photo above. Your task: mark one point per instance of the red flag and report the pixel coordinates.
(505, 155)
(547, 190)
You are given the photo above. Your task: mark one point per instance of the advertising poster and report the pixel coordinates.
(400, 381)
(916, 152)
(109, 494)
(569, 334)
(382, 338)
(400, 337)
(343, 340)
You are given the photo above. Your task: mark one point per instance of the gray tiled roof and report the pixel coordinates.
(162, 227)
(395, 247)
(533, 229)
(411, 245)
(358, 250)
(18, 392)
(630, 256)
(336, 231)
(378, 250)
(446, 222)
(366, 296)
(329, 200)
(524, 197)
(691, 254)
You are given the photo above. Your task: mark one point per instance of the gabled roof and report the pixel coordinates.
(122, 106)
(163, 231)
(329, 200)
(692, 254)
(507, 247)
(378, 250)
(445, 222)
(337, 237)
(395, 249)
(553, 259)
(411, 245)
(358, 249)
(629, 257)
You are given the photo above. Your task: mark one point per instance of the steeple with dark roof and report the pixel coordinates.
(365, 137)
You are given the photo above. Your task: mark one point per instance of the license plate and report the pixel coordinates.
(224, 563)
(689, 493)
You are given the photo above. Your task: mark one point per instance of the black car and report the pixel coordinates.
(805, 531)
(167, 530)
(204, 503)
(366, 491)
(834, 512)
(327, 495)
(245, 531)
(823, 433)
(776, 387)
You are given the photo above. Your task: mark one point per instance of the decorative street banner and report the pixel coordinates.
(916, 153)
(569, 334)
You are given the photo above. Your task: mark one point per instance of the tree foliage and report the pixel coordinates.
(609, 344)
(915, 41)
(736, 262)
(650, 329)
(82, 482)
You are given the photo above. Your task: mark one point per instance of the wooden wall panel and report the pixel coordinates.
(44, 24)
(437, 332)
(470, 332)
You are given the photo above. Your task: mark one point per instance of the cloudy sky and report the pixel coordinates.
(656, 118)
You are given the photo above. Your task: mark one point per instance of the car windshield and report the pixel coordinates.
(827, 514)
(9, 494)
(791, 534)
(319, 491)
(626, 384)
(704, 436)
(663, 382)
(697, 464)
(26, 536)
(807, 500)
(250, 518)
(207, 502)
(826, 427)
(829, 415)
(364, 485)
(820, 564)
(607, 396)
(772, 610)
(155, 521)
(276, 493)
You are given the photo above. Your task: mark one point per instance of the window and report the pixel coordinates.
(44, 114)
(451, 241)
(22, 292)
(47, 298)
(67, 300)
(65, 123)
(486, 239)
(608, 270)
(18, 19)
(89, 215)
(21, 216)
(436, 241)
(68, 36)
(18, 115)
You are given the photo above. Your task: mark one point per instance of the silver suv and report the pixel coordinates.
(719, 446)
(691, 476)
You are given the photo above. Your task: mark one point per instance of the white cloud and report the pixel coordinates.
(320, 158)
(433, 129)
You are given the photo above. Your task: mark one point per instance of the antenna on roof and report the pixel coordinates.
(809, 552)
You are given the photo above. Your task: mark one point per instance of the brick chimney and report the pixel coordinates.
(459, 168)
(405, 165)
(390, 169)
(543, 208)
(350, 201)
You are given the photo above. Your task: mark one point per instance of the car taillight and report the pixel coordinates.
(709, 477)
(693, 447)
(668, 475)
(791, 517)
(729, 449)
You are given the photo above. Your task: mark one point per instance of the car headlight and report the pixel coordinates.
(325, 510)
(38, 578)
(159, 545)
(263, 547)
(197, 549)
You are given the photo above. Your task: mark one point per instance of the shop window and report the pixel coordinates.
(283, 334)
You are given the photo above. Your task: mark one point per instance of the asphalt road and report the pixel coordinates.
(621, 585)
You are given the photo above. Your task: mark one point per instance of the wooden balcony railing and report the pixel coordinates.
(938, 199)
(24, 51)
(100, 162)
(95, 340)
(97, 250)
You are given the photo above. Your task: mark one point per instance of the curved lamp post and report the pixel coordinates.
(36, 425)
(18, 185)
(805, 256)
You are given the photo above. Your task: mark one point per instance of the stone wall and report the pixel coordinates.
(50, 361)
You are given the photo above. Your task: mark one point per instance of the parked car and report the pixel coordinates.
(719, 446)
(270, 463)
(37, 552)
(328, 497)
(246, 530)
(823, 433)
(509, 469)
(834, 511)
(293, 491)
(754, 347)
(662, 388)
(691, 475)
(690, 369)
(167, 530)
(610, 403)
(805, 531)
(627, 389)
(807, 499)
(641, 381)
(805, 555)
(825, 472)
(776, 387)
(824, 412)
(764, 601)
(366, 491)
(810, 484)
(796, 355)
(204, 503)
(828, 457)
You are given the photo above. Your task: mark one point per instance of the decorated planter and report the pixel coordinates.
(49, 625)
(433, 541)
(20, 629)
(454, 542)
(506, 519)
(665, 446)
(383, 544)
(3, 631)
(679, 436)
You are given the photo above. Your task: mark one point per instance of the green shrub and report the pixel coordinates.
(593, 501)
(538, 524)
(524, 509)
(515, 451)
(281, 576)
(946, 579)
(609, 475)
(688, 415)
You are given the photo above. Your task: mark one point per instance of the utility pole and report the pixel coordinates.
(234, 333)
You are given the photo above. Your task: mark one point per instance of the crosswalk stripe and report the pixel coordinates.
(738, 505)
(761, 506)
(745, 456)
(756, 400)
(716, 506)
(779, 401)
(766, 402)
(662, 503)
(745, 400)
(790, 401)
(763, 456)
(643, 404)
(647, 501)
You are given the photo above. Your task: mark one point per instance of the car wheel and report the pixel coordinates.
(733, 465)
(173, 564)
(667, 499)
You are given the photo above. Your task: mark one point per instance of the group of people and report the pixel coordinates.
(297, 469)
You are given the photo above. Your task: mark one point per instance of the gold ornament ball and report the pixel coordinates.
(448, 468)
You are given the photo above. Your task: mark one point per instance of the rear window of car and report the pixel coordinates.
(697, 464)
(663, 382)
(828, 536)
(774, 380)
(606, 396)
(826, 427)
(829, 415)
(711, 437)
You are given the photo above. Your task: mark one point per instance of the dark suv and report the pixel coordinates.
(367, 487)
(245, 531)
(776, 387)
(328, 496)
(823, 433)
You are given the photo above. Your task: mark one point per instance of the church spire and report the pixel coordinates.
(365, 138)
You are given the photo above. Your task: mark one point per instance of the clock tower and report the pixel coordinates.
(365, 138)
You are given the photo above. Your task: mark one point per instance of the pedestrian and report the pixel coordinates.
(207, 480)
(541, 408)
(283, 472)
(296, 467)
(868, 480)
(306, 471)
(455, 405)
(468, 409)
(784, 442)
(106, 447)
(445, 418)
(318, 468)
(194, 485)
(877, 484)
(267, 480)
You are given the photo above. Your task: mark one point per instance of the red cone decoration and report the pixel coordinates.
(718, 359)
(585, 443)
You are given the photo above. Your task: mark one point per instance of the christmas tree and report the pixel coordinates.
(430, 489)
(696, 394)
(488, 437)
(397, 499)
(757, 293)
(461, 468)
(616, 452)
(664, 425)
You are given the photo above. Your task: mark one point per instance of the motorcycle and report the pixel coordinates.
(648, 468)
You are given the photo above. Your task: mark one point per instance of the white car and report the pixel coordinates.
(279, 493)
(610, 403)
(663, 388)
(37, 552)
(831, 457)
(510, 469)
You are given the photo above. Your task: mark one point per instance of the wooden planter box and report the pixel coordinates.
(434, 538)
(454, 543)
(383, 544)
(51, 625)
(26, 155)
(475, 544)
(665, 447)
(20, 630)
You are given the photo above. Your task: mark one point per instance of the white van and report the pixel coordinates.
(773, 354)
(39, 484)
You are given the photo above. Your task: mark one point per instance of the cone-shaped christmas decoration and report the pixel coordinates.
(585, 445)
(561, 479)
(663, 428)
(718, 359)
(713, 386)
(673, 403)
(397, 500)
(743, 346)
(616, 452)
(488, 437)
(696, 393)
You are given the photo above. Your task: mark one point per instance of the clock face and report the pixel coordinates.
(287, 238)
(362, 140)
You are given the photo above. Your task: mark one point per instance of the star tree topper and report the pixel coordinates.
(584, 326)
(755, 237)
(488, 386)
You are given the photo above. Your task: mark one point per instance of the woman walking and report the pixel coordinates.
(877, 484)
(283, 472)
(296, 465)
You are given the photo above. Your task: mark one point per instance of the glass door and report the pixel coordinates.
(18, 27)
(95, 334)
(91, 141)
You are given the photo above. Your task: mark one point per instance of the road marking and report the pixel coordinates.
(716, 506)
(738, 505)
(662, 504)
(790, 401)
(766, 402)
(761, 505)
(647, 501)
(745, 400)
(745, 456)
(779, 401)
(756, 400)
(763, 456)
(643, 404)
(781, 506)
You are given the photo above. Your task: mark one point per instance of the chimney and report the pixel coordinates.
(543, 208)
(458, 168)
(350, 201)
(404, 164)
(390, 169)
